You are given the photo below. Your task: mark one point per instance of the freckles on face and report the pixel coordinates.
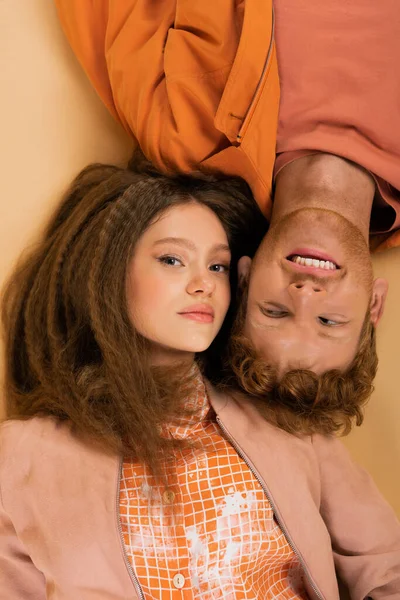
(302, 316)
(178, 288)
(300, 328)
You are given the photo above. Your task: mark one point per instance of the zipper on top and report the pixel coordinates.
(273, 506)
(128, 565)
(263, 485)
(257, 92)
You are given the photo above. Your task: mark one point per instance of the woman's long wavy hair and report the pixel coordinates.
(71, 351)
(301, 402)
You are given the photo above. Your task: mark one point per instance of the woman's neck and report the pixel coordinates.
(164, 357)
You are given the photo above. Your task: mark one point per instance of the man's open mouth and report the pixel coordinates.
(313, 261)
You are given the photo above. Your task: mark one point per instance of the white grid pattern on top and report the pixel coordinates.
(217, 530)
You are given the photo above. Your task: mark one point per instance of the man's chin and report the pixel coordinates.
(322, 231)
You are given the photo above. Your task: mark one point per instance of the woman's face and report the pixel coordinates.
(178, 289)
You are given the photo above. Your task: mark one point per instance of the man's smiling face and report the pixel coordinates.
(311, 287)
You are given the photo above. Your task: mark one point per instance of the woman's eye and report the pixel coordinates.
(170, 261)
(219, 268)
(328, 322)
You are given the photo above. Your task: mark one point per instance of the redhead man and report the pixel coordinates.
(200, 83)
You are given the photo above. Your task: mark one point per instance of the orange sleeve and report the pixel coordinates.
(393, 241)
(384, 241)
(85, 27)
(159, 67)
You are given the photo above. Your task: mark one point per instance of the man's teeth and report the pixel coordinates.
(314, 262)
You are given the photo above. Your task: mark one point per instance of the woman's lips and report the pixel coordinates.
(201, 313)
(199, 317)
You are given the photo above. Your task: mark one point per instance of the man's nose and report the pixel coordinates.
(306, 287)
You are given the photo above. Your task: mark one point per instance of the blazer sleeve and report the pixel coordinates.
(364, 530)
(148, 61)
(19, 578)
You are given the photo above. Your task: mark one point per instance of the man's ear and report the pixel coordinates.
(244, 265)
(379, 292)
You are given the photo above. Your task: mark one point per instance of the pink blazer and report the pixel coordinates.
(59, 527)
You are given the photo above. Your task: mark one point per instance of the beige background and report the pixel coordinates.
(52, 124)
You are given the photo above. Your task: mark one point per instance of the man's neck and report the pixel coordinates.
(325, 181)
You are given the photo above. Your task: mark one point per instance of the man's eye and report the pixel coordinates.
(275, 314)
(219, 268)
(328, 322)
(170, 261)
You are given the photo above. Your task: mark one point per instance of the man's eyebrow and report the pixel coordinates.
(188, 243)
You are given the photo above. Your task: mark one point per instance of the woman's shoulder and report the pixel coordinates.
(30, 434)
(238, 410)
(26, 448)
(42, 462)
(243, 406)
(44, 442)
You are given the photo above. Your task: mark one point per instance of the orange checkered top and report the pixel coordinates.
(211, 533)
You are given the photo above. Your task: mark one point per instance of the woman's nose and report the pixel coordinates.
(201, 284)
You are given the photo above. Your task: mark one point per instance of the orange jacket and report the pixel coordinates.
(196, 83)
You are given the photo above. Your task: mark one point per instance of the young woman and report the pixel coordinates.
(123, 473)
